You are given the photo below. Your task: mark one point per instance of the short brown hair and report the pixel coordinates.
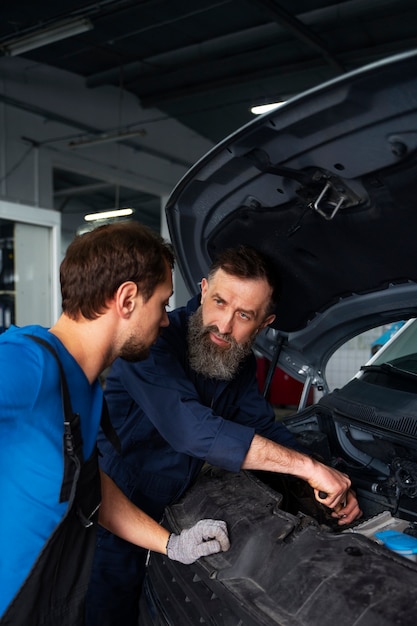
(246, 262)
(98, 262)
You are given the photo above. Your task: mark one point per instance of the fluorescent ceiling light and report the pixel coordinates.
(104, 215)
(264, 108)
(46, 35)
(106, 137)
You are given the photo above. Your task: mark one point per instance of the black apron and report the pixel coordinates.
(54, 592)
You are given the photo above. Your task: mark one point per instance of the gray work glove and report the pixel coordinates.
(206, 537)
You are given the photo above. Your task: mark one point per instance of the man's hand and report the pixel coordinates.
(348, 510)
(330, 486)
(337, 495)
(206, 537)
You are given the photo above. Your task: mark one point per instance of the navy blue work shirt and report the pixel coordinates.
(171, 420)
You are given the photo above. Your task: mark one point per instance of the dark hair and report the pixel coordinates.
(246, 262)
(98, 262)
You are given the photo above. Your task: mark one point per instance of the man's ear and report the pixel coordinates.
(126, 298)
(204, 287)
(268, 320)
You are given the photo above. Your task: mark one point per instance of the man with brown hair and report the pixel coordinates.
(116, 283)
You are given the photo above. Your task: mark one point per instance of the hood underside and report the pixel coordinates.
(326, 186)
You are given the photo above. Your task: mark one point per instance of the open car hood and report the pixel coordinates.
(325, 185)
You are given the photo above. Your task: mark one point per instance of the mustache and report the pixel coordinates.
(206, 330)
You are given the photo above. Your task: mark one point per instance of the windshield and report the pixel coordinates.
(401, 351)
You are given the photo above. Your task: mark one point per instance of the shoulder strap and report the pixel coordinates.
(73, 444)
(105, 421)
(108, 430)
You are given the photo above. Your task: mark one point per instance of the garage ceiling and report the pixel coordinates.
(205, 63)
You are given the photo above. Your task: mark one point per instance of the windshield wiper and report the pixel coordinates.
(388, 368)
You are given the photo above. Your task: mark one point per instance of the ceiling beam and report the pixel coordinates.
(300, 31)
(234, 47)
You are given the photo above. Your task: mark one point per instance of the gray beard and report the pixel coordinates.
(208, 359)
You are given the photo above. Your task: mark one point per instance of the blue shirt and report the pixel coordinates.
(170, 420)
(31, 446)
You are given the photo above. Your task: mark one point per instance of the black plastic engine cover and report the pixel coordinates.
(281, 568)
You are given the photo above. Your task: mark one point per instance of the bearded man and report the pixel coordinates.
(196, 400)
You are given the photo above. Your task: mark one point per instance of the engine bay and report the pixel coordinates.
(381, 463)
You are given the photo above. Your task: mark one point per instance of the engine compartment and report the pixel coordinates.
(372, 442)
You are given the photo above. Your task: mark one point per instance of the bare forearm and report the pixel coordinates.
(124, 519)
(267, 455)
